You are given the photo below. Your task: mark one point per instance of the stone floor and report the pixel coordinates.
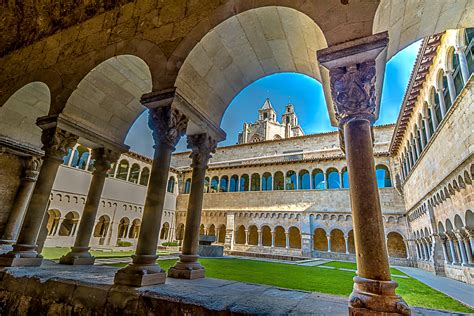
(60, 289)
(460, 291)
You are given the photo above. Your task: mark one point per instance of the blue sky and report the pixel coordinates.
(304, 92)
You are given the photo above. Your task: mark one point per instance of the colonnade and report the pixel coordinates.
(355, 90)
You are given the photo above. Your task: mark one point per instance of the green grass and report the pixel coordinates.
(353, 266)
(337, 282)
(57, 252)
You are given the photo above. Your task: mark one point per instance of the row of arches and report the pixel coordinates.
(457, 239)
(291, 180)
(265, 236)
(449, 83)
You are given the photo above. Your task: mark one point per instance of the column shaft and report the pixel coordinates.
(453, 252)
(463, 64)
(451, 86)
(442, 104)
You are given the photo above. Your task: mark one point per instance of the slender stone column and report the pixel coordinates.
(445, 249)
(454, 259)
(23, 196)
(329, 242)
(188, 267)
(434, 118)
(451, 86)
(442, 104)
(346, 240)
(355, 89)
(79, 254)
(427, 129)
(467, 246)
(260, 238)
(462, 250)
(287, 240)
(417, 148)
(273, 239)
(463, 63)
(247, 233)
(168, 125)
(56, 143)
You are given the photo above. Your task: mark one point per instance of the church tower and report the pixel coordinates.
(266, 112)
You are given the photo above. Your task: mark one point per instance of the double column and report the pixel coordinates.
(356, 75)
(56, 143)
(188, 267)
(79, 254)
(31, 169)
(168, 125)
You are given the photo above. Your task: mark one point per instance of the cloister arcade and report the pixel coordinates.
(87, 81)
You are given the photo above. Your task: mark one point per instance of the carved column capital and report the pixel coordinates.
(56, 142)
(32, 166)
(353, 91)
(103, 159)
(202, 146)
(168, 125)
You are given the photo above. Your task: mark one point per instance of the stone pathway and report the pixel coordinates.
(460, 291)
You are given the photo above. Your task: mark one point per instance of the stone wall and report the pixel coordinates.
(10, 175)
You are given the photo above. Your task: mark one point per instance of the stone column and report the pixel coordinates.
(22, 198)
(356, 75)
(259, 237)
(445, 249)
(451, 86)
(463, 63)
(346, 240)
(467, 246)
(56, 143)
(188, 267)
(329, 242)
(422, 137)
(247, 237)
(287, 240)
(417, 148)
(427, 129)
(79, 254)
(462, 250)
(273, 239)
(453, 252)
(442, 104)
(168, 125)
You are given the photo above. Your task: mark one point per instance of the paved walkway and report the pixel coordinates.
(458, 290)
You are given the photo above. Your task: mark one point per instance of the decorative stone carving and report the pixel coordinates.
(201, 145)
(32, 166)
(56, 142)
(168, 125)
(353, 91)
(103, 159)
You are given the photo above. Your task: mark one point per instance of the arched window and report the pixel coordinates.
(224, 184)
(469, 38)
(318, 179)
(255, 183)
(212, 230)
(81, 155)
(345, 178)
(294, 238)
(457, 76)
(122, 170)
(383, 177)
(206, 185)
(278, 181)
(134, 173)
(280, 237)
(53, 221)
(145, 176)
(266, 236)
(350, 241)
(338, 244)
(69, 224)
(234, 183)
(436, 105)
(418, 138)
(267, 181)
(222, 233)
(447, 98)
(135, 229)
(253, 235)
(187, 186)
(180, 232)
(244, 182)
(171, 183)
(102, 226)
(290, 180)
(304, 181)
(429, 118)
(123, 227)
(214, 184)
(333, 179)
(164, 231)
(320, 241)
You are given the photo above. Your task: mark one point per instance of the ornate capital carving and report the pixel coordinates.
(103, 159)
(201, 145)
(353, 91)
(56, 142)
(32, 166)
(168, 125)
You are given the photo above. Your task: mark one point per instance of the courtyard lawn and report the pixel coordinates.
(315, 279)
(57, 252)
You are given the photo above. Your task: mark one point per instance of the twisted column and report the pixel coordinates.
(56, 143)
(188, 267)
(30, 175)
(79, 254)
(168, 125)
(355, 91)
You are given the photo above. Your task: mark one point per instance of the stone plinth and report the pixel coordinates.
(210, 251)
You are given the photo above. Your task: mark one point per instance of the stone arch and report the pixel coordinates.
(350, 241)
(294, 237)
(135, 228)
(253, 235)
(69, 224)
(458, 222)
(469, 219)
(280, 237)
(266, 236)
(337, 241)
(211, 231)
(320, 241)
(164, 233)
(53, 221)
(180, 232)
(222, 233)
(102, 226)
(240, 237)
(396, 245)
(145, 176)
(123, 227)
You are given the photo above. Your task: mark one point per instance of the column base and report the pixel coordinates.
(21, 256)
(6, 245)
(142, 272)
(372, 297)
(78, 256)
(187, 268)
